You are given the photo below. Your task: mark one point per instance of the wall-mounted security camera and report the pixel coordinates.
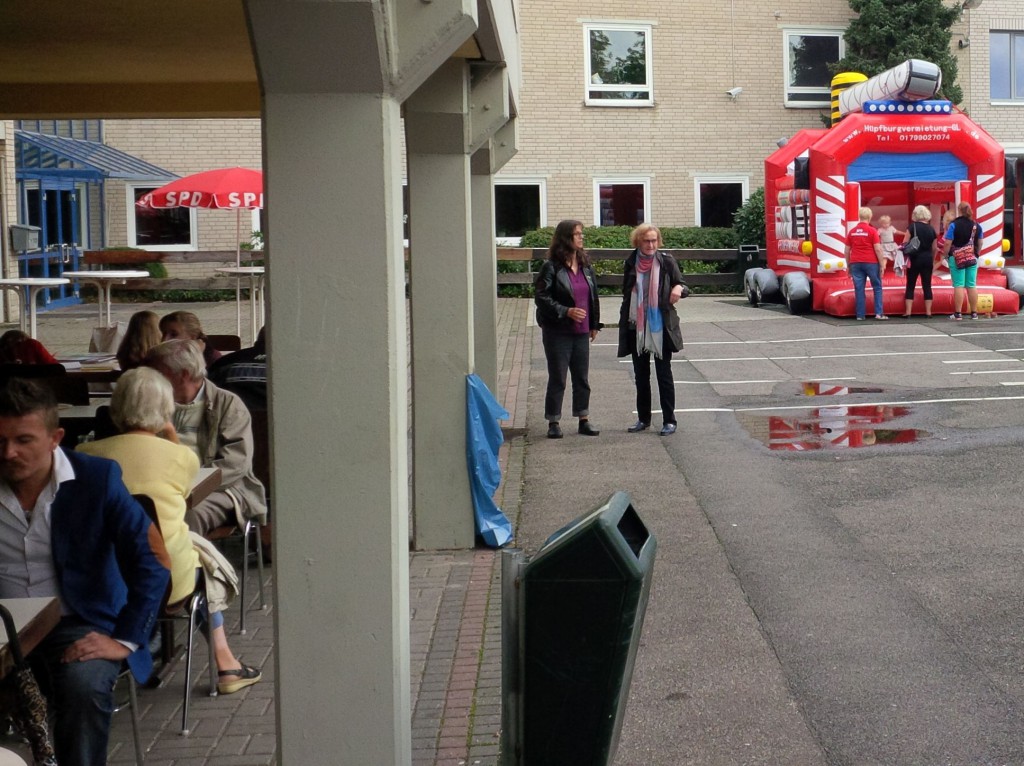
(733, 93)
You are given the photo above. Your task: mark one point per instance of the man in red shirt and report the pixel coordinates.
(867, 259)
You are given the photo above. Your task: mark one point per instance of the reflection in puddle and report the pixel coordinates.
(860, 425)
(818, 388)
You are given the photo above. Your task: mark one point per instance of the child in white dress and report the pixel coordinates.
(887, 234)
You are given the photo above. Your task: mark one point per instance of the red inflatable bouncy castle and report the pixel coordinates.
(892, 148)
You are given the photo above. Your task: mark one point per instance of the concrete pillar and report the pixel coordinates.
(485, 283)
(486, 161)
(440, 267)
(337, 334)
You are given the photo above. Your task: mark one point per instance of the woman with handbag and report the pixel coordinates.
(652, 285)
(963, 243)
(919, 251)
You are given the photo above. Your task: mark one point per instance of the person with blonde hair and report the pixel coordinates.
(184, 325)
(919, 262)
(652, 285)
(154, 464)
(867, 260)
(961, 231)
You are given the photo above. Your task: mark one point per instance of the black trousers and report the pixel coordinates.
(666, 385)
(919, 264)
(567, 354)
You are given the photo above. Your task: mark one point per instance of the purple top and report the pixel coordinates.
(581, 293)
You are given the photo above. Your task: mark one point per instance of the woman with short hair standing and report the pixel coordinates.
(648, 323)
(920, 262)
(569, 315)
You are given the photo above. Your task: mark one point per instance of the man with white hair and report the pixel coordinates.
(215, 424)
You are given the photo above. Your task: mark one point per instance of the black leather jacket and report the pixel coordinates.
(554, 297)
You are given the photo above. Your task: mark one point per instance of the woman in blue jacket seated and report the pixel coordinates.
(569, 315)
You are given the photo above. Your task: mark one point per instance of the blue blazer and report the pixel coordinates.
(110, 559)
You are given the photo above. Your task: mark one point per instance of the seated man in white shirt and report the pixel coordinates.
(216, 425)
(69, 528)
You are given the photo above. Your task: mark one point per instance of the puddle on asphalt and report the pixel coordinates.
(819, 388)
(830, 428)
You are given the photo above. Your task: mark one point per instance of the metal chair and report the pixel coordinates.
(251, 531)
(132, 703)
(191, 609)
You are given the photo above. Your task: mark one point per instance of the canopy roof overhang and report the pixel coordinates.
(190, 58)
(46, 156)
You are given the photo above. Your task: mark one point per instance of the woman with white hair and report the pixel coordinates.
(154, 464)
(920, 261)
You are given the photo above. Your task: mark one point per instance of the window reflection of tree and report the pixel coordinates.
(809, 58)
(610, 68)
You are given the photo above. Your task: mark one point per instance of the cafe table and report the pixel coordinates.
(33, 285)
(105, 281)
(256, 304)
(34, 618)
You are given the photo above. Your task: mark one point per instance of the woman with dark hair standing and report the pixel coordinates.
(569, 316)
(648, 323)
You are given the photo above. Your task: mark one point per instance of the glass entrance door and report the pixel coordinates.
(54, 206)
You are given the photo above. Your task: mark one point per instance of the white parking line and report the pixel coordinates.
(979, 361)
(859, 404)
(988, 372)
(831, 356)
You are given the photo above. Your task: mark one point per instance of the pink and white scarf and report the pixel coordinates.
(643, 305)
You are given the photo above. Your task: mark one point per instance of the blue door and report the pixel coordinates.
(55, 208)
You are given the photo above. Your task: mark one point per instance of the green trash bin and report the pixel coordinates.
(583, 600)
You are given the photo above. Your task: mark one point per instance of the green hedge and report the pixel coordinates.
(617, 237)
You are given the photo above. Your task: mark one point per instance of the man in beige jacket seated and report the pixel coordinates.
(215, 424)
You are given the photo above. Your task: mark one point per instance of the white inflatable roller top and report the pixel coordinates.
(913, 80)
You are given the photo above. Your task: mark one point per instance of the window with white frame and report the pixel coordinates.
(617, 58)
(621, 201)
(718, 198)
(519, 206)
(1006, 66)
(808, 53)
(159, 229)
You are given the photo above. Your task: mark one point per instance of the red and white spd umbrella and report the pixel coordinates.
(225, 188)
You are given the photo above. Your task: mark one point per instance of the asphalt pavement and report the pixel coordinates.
(838, 569)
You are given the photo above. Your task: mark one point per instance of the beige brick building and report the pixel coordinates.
(659, 110)
(715, 91)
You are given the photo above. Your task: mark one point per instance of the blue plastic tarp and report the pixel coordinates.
(483, 440)
(923, 166)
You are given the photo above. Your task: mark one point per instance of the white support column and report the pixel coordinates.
(337, 335)
(485, 281)
(441, 268)
(486, 161)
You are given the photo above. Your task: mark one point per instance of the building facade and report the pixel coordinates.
(657, 110)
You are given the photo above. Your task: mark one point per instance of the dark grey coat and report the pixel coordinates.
(670, 277)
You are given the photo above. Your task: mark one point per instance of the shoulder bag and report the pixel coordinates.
(913, 247)
(964, 256)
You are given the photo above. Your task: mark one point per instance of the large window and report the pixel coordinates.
(1006, 66)
(170, 229)
(519, 207)
(618, 64)
(621, 201)
(808, 53)
(718, 198)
